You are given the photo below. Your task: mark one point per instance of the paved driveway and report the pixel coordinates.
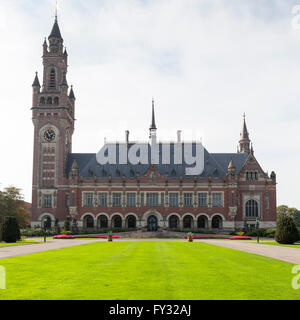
(288, 254)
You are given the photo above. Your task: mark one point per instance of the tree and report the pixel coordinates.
(13, 205)
(74, 227)
(67, 225)
(286, 231)
(11, 230)
(294, 212)
(57, 227)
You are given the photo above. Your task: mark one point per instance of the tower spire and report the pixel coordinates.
(153, 126)
(244, 138)
(56, 9)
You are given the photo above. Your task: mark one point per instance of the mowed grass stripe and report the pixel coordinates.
(147, 270)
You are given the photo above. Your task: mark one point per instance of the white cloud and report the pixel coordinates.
(205, 63)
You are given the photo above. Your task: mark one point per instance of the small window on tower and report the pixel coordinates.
(52, 79)
(56, 101)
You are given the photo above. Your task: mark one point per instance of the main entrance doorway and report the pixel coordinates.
(152, 223)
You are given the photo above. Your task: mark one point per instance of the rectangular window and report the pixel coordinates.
(217, 200)
(187, 199)
(131, 199)
(116, 199)
(162, 199)
(102, 199)
(47, 201)
(88, 199)
(67, 200)
(232, 199)
(152, 199)
(173, 199)
(202, 199)
(142, 200)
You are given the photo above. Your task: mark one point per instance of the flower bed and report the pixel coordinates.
(240, 238)
(63, 236)
(95, 237)
(67, 236)
(208, 237)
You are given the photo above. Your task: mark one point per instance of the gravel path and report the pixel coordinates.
(12, 251)
(287, 254)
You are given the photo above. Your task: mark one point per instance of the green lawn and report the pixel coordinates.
(147, 270)
(18, 243)
(274, 243)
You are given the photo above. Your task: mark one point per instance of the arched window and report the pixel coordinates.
(42, 101)
(251, 208)
(46, 222)
(89, 222)
(49, 100)
(131, 222)
(117, 222)
(216, 222)
(102, 222)
(173, 222)
(187, 222)
(52, 79)
(202, 222)
(56, 101)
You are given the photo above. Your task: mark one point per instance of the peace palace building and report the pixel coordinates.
(230, 194)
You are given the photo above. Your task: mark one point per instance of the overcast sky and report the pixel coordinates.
(205, 62)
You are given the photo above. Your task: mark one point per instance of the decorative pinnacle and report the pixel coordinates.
(153, 126)
(56, 9)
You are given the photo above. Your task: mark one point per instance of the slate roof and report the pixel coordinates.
(55, 33)
(215, 165)
(36, 82)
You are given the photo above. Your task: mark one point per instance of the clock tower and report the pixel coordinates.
(53, 119)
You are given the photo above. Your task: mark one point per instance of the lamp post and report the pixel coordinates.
(257, 223)
(45, 220)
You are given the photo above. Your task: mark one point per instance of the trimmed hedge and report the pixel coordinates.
(286, 232)
(11, 230)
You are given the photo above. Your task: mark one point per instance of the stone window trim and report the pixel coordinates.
(198, 198)
(171, 199)
(188, 199)
(116, 199)
(84, 193)
(128, 202)
(222, 199)
(249, 196)
(100, 193)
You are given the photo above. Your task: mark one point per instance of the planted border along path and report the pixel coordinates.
(13, 251)
(287, 254)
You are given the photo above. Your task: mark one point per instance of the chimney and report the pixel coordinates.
(127, 136)
(178, 136)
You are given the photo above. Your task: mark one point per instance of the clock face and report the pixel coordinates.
(49, 135)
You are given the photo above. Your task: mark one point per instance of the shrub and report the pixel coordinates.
(67, 225)
(270, 233)
(57, 227)
(240, 233)
(37, 232)
(286, 231)
(11, 230)
(253, 233)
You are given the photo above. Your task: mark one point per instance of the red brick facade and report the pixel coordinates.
(231, 200)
